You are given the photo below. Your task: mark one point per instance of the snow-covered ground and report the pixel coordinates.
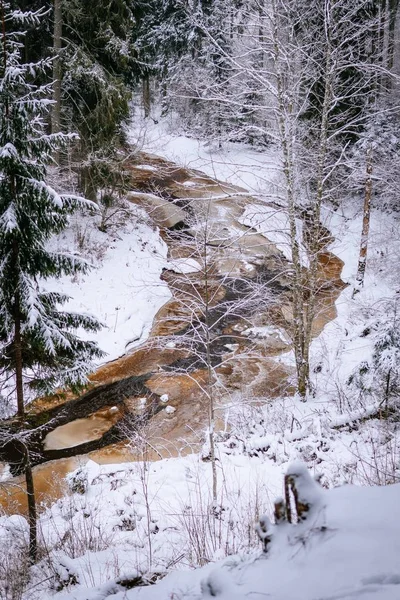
(158, 517)
(123, 290)
(238, 164)
(141, 521)
(348, 548)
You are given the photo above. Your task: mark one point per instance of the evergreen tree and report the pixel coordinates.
(216, 54)
(98, 71)
(386, 355)
(34, 334)
(163, 35)
(94, 71)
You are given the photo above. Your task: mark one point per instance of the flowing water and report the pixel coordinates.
(239, 257)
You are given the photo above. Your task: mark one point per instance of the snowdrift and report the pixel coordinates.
(346, 545)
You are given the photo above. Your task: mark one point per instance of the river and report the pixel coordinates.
(167, 370)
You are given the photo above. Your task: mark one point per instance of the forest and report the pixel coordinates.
(199, 295)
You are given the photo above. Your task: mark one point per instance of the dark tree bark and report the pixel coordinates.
(146, 95)
(18, 342)
(393, 8)
(32, 514)
(56, 110)
(18, 363)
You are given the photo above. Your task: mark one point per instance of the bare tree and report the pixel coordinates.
(310, 70)
(210, 294)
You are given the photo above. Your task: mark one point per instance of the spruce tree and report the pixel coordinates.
(167, 41)
(98, 69)
(36, 337)
(94, 68)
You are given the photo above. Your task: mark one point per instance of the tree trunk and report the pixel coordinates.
(210, 374)
(56, 110)
(32, 515)
(362, 261)
(285, 125)
(387, 388)
(304, 283)
(146, 95)
(17, 338)
(18, 362)
(393, 8)
(314, 242)
(4, 39)
(164, 92)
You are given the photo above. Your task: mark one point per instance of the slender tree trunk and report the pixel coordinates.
(56, 110)
(164, 92)
(17, 336)
(18, 359)
(32, 514)
(210, 375)
(3, 33)
(362, 260)
(393, 8)
(304, 285)
(285, 125)
(211, 419)
(387, 387)
(314, 237)
(382, 41)
(146, 95)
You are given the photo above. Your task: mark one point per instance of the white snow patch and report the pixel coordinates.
(123, 290)
(184, 265)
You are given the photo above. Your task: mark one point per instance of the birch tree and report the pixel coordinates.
(313, 69)
(338, 77)
(362, 259)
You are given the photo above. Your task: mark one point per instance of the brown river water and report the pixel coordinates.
(237, 250)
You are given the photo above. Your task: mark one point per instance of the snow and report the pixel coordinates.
(237, 164)
(274, 224)
(184, 265)
(345, 342)
(347, 547)
(8, 151)
(145, 167)
(123, 290)
(8, 221)
(266, 331)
